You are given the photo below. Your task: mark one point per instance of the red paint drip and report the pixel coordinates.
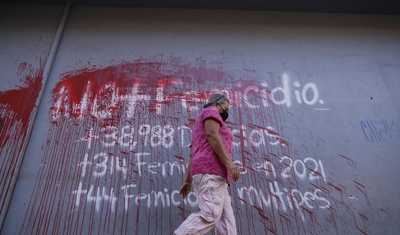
(20, 102)
(16, 107)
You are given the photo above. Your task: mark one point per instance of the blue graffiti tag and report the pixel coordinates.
(380, 132)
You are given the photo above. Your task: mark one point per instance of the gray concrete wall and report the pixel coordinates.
(315, 114)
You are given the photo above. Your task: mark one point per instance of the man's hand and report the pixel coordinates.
(185, 189)
(235, 172)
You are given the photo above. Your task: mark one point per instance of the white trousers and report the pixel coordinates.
(215, 208)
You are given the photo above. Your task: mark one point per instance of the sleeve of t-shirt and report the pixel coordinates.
(211, 113)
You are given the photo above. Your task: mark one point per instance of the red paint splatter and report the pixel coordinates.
(335, 187)
(20, 102)
(16, 108)
(156, 84)
(363, 190)
(351, 163)
(161, 93)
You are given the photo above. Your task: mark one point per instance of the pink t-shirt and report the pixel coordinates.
(205, 160)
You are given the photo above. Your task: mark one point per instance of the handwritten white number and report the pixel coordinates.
(101, 166)
(286, 172)
(110, 137)
(303, 171)
(168, 135)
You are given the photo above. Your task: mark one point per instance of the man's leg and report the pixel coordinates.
(210, 195)
(227, 224)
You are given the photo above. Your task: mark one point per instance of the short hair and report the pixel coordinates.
(220, 98)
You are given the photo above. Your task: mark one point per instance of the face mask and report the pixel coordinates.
(224, 115)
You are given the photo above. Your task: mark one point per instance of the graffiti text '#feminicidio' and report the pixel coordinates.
(105, 100)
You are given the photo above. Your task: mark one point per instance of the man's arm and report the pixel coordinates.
(185, 189)
(212, 127)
